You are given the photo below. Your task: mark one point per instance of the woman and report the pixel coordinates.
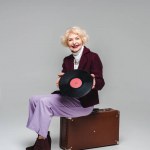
(42, 108)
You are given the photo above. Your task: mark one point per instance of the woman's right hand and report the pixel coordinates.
(59, 76)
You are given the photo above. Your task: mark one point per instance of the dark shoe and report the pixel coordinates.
(30, 148)
(49, 141)
(49, 138)
(42, 144)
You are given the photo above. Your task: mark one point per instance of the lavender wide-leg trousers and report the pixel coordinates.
(43, 107)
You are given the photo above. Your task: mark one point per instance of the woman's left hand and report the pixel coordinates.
(59, 76)
(94, 82)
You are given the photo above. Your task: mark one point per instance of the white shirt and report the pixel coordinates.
(77, 57)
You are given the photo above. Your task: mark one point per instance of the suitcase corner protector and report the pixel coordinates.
(117, 142)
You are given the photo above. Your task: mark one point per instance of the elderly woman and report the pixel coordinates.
(43, 107)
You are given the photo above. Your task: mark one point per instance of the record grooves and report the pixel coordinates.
(76, 83)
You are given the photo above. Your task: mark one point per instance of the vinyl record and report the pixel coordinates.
(76, 83)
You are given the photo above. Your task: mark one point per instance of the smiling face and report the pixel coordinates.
(74, 42)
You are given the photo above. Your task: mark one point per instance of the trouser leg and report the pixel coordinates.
(43, 108)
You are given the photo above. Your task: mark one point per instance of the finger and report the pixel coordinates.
(93, 75)
(61, 74)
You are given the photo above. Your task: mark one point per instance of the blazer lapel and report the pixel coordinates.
(83, 59)
(71, 63)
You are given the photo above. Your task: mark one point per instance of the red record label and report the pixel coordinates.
(75, 83)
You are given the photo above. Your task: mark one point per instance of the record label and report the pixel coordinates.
(75, 83)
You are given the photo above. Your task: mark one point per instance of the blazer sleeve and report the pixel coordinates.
(64, 69)
(97, 70)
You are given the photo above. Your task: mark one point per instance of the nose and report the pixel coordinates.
(74, 41)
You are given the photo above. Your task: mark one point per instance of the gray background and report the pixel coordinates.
(31, 56)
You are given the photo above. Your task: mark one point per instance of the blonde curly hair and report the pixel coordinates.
(75, 30)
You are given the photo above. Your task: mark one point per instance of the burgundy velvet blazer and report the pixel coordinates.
(91, 63)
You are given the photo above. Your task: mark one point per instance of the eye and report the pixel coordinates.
(69, 40)
(77, 38)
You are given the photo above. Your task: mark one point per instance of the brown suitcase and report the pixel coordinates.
(100, 128)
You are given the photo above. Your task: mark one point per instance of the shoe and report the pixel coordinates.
(49, 141)
(49, 138)
(42, 144)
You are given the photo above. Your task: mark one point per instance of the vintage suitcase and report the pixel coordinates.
(100, 128)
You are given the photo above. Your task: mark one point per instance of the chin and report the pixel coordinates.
(75, 50)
